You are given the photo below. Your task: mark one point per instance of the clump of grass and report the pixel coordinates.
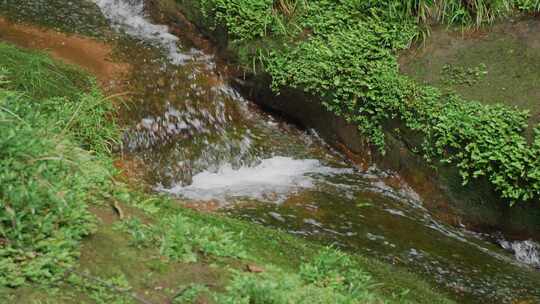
(191, 294)
(182, 238)
(66, 96)
(39, 76)
(528, 5)
(331, 277)
(47, 178)
(115, 289)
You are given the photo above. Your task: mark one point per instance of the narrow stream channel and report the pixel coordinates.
(199, 140)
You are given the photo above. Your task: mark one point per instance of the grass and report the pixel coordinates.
(46, 178)
(39, 77)
(273, 249)
(179, 237)
(330, 278)
(62, 242)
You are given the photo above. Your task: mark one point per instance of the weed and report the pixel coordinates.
(190, 294)
(114, 290)
(329, 278)
(180, 238)
(46, 179)
(456, 75)
(528, 5)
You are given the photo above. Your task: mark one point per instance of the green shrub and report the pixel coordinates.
(45, 181)
(482, 141)
(351, 70)
(246, 19)
(528, 5)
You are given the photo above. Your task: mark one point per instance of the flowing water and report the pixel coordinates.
(199, 140)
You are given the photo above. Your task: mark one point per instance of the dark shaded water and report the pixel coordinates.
(197, 139)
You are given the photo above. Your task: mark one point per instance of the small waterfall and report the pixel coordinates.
(213, 155)
(128, 16)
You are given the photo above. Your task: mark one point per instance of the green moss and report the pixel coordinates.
(75, 16)
(510, 53)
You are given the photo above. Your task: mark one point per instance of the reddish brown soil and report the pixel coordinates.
(94, 56)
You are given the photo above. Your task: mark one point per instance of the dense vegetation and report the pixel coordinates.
(55, 173)
(48, 112)
(346, 52)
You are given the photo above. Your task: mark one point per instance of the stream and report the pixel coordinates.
(196, 138)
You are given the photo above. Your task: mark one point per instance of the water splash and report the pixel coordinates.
(187, 122)
(526, 252)
(273, 179)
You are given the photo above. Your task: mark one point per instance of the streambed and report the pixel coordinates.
(201, 141)
(196, 138)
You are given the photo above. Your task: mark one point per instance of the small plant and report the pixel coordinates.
(246, 20)
(528, 5)
(180, 238)
(334, 268)
(113, 290)
(190, 294)
(330, 278)
(457, 75)
(4, 76)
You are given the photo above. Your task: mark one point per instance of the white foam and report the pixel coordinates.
(128, 15)
(527, 252)
(272, 179)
